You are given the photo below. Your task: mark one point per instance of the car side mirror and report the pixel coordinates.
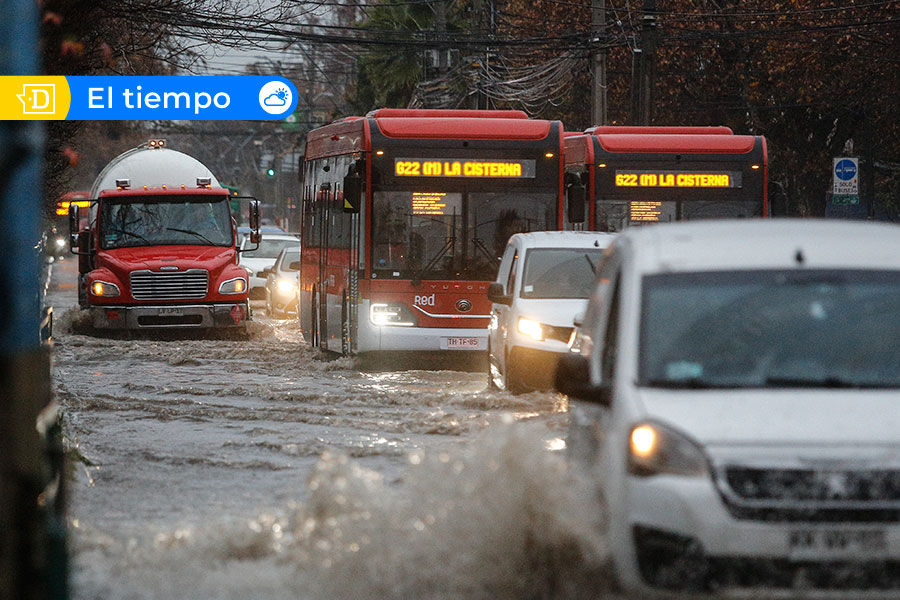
(573, 378)
(294, 266)
(255, 235)
(495, 294)
(74, 217)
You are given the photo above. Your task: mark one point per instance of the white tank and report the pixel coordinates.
(153, 167)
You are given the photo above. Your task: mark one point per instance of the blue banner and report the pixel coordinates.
(178, 98)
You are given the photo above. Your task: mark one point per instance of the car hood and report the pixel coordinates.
(778, 417)
(558, 312)
(257, 264)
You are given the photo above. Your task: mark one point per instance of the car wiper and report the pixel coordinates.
(590, 262)
(188, 231)
(418, 275)
(826, 382)
(690, 383)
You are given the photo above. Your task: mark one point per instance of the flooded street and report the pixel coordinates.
(214, 468)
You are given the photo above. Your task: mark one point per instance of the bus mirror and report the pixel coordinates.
(352, 192)
(575, 198)
(74, 218)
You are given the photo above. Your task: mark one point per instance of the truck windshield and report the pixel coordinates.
(161, 221)
(560, 272)
(820, 328)
(452, 235)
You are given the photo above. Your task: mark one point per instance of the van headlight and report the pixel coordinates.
(105, 289)
(655, 449)
(233, 286)
(530, 328)
(391, 314)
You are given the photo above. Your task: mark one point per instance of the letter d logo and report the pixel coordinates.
(38, 99)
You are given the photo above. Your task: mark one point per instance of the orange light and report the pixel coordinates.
(643, 440)
(379, 152)
(549, 155)
(754, 167)
(239, 286)
(98, 288)
(602, 165)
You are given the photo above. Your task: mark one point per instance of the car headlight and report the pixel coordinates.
(654, 449)
(105, 289)
(60, 243)
(286, 285)
(391, 314)
(237, 285)
(530, 328)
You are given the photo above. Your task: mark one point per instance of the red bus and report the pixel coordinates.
(405, 215)
(639, 175)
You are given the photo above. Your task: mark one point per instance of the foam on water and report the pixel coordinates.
(499, 518)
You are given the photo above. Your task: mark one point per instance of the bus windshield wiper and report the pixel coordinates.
(418, 275)
(590, 262)
(191, 232)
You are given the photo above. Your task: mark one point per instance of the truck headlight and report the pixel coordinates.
(286, 286)
(654, 449)
(391, 314)
(530, 328)
(237, 285)
(105, 289)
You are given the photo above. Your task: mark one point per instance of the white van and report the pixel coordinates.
(544, 281)
(740, 408)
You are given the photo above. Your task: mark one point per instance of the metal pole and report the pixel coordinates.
(648, 63)
(32, 537)
(598, 89)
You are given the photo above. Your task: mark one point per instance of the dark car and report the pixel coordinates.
(281, 284)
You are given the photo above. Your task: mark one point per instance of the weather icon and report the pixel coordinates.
(275, 97)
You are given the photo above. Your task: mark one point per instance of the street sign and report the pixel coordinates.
(845, 177)
(845, 199)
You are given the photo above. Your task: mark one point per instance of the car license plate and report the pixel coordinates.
(171, 311)
(464, 343)
(834, 543)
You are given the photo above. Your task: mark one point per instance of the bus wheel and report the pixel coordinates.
(346, 346)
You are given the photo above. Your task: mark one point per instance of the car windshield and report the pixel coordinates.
(164, 220)
(771, 329)
(560, 272)
(271, 248)
(452, 235)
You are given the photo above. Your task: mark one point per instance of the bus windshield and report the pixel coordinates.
(165, 220)
(615, 215)
(452, 235)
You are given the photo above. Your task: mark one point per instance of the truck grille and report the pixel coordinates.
(174, 285)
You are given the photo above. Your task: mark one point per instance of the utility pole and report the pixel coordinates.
(643, 78)
(598, 87)
(440, 26)
(478, 29)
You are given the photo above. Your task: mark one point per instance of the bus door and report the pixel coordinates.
(320, 325)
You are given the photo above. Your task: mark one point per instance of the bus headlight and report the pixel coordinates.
(233, 286)
(391, 314)
(105, 289)
(530, 328)
(654, 449)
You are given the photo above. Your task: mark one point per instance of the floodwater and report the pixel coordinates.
(220, 469)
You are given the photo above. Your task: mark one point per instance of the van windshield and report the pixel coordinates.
(817, 328)
(165, 220)
(560, 272)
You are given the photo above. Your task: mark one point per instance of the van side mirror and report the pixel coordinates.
(573, 378)
(495, 294)
(255, 235)
(575, 193)
(353, 189)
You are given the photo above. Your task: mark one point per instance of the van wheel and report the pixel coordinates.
(492, 385)
(514, 379)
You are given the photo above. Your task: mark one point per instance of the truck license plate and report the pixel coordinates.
(463, 343)
(171, 311)
(835, 543)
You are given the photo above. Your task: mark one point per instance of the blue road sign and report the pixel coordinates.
(845, 169)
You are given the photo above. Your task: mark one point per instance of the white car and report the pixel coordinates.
(739, 387)
(256, 261)
(544, 281)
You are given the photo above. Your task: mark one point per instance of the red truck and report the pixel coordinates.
(161, 247)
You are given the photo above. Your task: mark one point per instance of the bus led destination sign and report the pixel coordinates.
(463, 167)
(678, 179)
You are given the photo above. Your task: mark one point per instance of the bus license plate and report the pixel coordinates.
(174, 311)
(836, 543)
(464, 343)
